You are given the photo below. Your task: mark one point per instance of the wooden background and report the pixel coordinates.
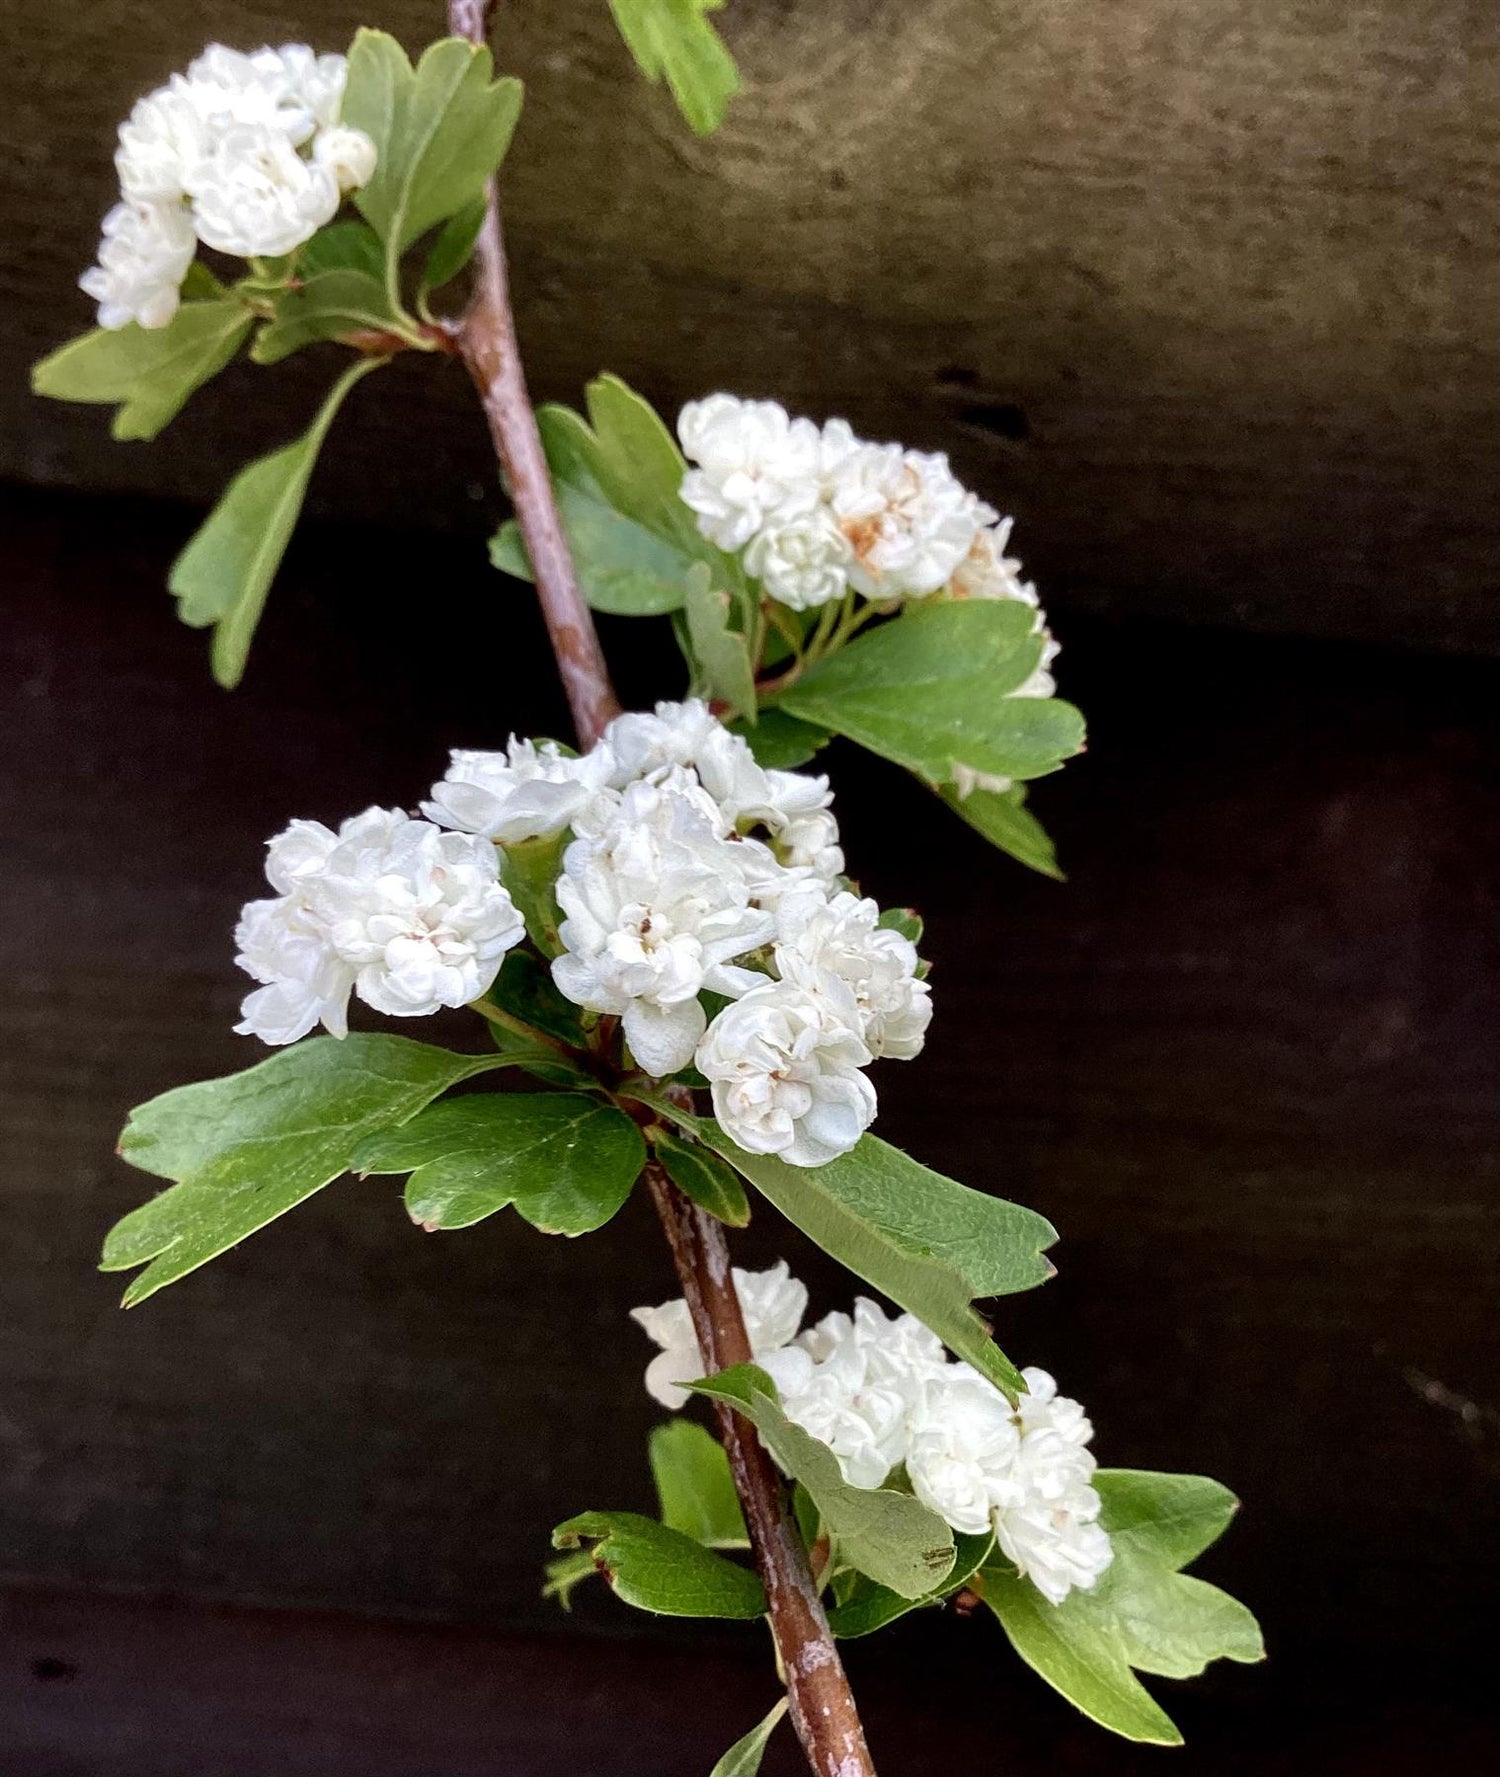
(1203, 290)
(1203, 293)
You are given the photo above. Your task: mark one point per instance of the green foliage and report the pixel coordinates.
(926, 1241)
(440, 130)
(245, 1149)
(662, 1570)
(525, 990)
(720, 654)
(330, 305)
(929, 691)
(1003, 818)
(743, 1758)
(891, 1537)
(865, 1607)
(781, 742)
(566, 1162)
(1143, 1613)
(673, 39)
(453, 248)
(617, 476)
(694, 1485)
(349, 245)
(224, 574)
(699, 1173)
(147, 373)
(529, 868)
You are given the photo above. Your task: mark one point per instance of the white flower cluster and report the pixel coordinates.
(883, 1395)
(244, 153)
(819, 512)
(405, 915)
(695, 870)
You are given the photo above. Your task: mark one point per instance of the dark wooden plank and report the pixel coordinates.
(1246, 1059)
(1205, 294)
(94, 1687)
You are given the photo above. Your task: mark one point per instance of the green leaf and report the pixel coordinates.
(148, 372)
(565, 1161)
(566, 1574)
(695, 1486)
(439, 131)
(720, 652)
(224, 574)
(331, 305)
(699, 1173)
(673, 39)
(618, 477)
(662, 1570)
(927, 1242)
(1002, 817)
(525, 989)
(529, 868)
(341, 246)
(892, 1537)
(743, 1758)
(454, 246)
(1143, 1613)
(929, 690)
(868, 1607)
(781, 742)
(247, 1148)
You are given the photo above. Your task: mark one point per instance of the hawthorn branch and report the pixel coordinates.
(822, 1705)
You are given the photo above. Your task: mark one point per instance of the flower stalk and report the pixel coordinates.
(822, 1706)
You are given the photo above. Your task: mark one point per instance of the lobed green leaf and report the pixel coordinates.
(224, 575)
(1142, 1614)
(329, 305)
(565, 1161)
(148, 373)
(673, 40)
(781, 742)
(245, 1149)
(661, 1570)
(929, 690)
(891, 1537)
(924, 1240)
(720, 654)
(440, 130)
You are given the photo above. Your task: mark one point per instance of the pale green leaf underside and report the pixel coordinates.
(694, 1486)
(661, 1570)
(1143, 1614)
(868, 1607)
(673, 40)
(224, 574)
(440, 130)
(247, 1148)
(892, 1537)
(929, 691)
(565, 1161)
(148, 372)
(744, 1757)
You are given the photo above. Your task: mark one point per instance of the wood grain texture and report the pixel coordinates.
(1203, 292)
(1246, 1060)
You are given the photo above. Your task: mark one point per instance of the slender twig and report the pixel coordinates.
(822, 1705)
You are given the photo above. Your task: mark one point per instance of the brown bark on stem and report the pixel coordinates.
(822, 1705)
